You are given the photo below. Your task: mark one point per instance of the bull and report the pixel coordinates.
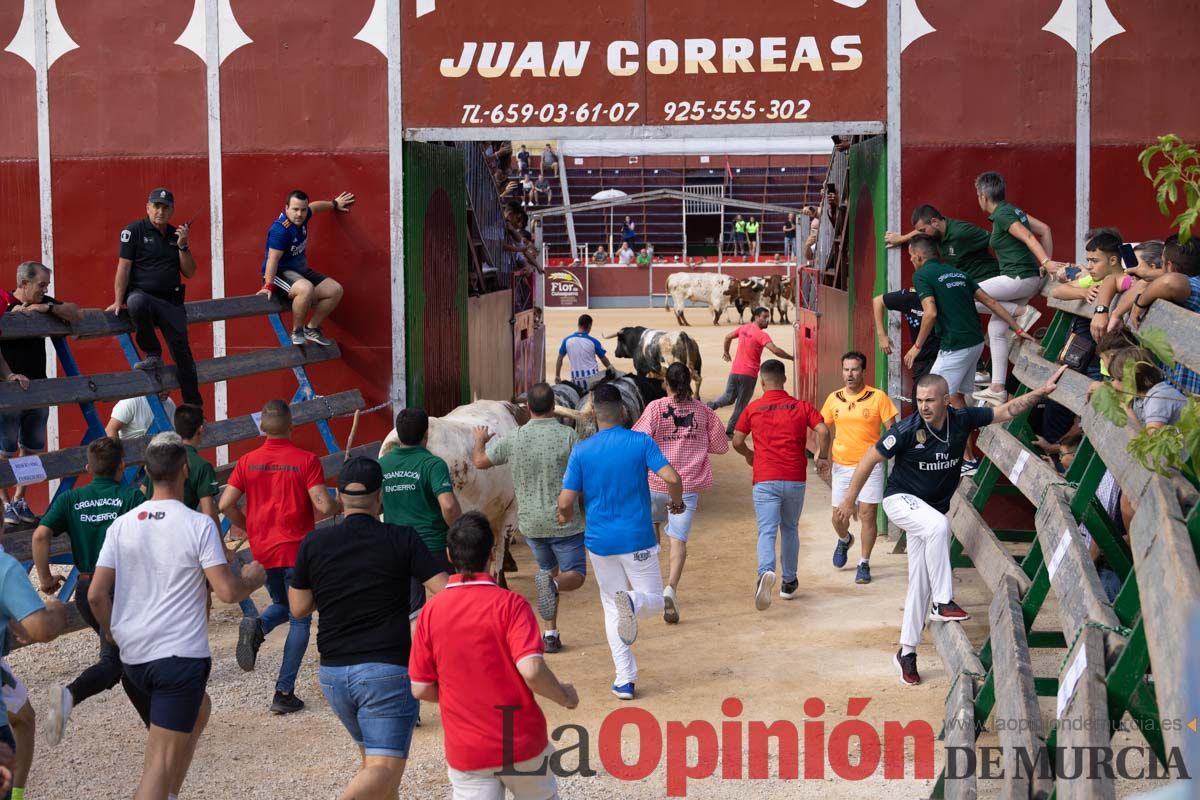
(747, 293)
(778, 296)
(637, 392)
(653, 351)
(698, 287)
(451, 438)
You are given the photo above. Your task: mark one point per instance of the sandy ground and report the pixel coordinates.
(834, 642)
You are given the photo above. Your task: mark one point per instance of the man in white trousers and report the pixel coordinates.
(609, 470)
(927, 448)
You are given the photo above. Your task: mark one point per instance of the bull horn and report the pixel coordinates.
(610, 336)
(570, 413)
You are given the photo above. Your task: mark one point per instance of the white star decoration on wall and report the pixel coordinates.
(230, 34)
(374, 30)
(1104, 24)
(58, 40)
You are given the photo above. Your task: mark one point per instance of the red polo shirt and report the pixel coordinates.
(275, 479)
(779, 425)
(469, 640)
(751, 340)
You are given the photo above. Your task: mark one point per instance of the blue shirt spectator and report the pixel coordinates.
(609, 469)
(291, 239)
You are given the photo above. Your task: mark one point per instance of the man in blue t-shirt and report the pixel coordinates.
(583, 349)
(285, 269)
(927, 449)
(609, 470)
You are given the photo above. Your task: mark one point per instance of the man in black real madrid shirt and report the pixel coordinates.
(927, 449)
(154, 253)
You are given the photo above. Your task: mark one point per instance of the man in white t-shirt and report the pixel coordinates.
(149, 596)
(626, 255)
(583, 350)
(133, 416)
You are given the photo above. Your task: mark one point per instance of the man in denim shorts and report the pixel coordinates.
(358, 574)
(538, 452)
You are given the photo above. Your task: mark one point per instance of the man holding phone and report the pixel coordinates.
(153, 255)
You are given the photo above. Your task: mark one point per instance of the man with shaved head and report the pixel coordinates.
(928, 448)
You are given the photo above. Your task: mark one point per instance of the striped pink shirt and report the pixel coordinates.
(686, 432)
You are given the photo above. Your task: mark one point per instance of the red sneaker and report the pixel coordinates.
(948, 612)
(907, 664)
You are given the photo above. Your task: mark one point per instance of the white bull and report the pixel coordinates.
(490, 491)
(708, 288)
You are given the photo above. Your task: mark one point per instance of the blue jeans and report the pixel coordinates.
(374, 702)
(278, 581)
(777, 505)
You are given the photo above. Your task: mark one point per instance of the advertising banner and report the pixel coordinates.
(566, 287)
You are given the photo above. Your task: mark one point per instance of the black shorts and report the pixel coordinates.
(175, 687)
(286, 277)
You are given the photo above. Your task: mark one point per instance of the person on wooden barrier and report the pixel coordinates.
(1180, 285)
(28, 618)
(1147, 267)
(24, 432)
(357, 574)
(285, 269)
(495, 732)
(964, 245)
(778, 425)
(85, 515)
(537, 453)
(857, 413)
(153, 254)
(926, 449)
(948, 298)
(908, 303)
(133, 417)
(1023, 245)
(150, 598)
(284, 485)
(609, 471)
(688, 432)
(582, 350)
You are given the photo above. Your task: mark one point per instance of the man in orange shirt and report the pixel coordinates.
(283, 484)
(856, 413)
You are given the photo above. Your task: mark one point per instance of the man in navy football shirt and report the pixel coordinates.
(285, 269)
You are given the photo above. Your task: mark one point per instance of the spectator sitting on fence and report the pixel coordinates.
(133, 416)
(24, 432)
(1149, 266)
(549, 159)
(285, 269)
(600, 257)
(643, 257)
(153, 255)
(626, 256)
(1180, 285)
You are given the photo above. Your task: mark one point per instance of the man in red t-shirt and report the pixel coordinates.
(283, 484)
(779, 424)
(477, 651)
(752, 339)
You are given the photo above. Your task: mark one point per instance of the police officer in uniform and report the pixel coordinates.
(154, 253)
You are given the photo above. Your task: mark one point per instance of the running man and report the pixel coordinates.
(857, 413)
(583, 350)
(85, 515)
(752, 339)
(779, 425)
(149, 595)
(927, 448)
(283, 484)
(285, 269)
(609, 470)
(686, 431)
(538, 452)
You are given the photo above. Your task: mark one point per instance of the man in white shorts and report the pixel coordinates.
(927, 448)
(857, 413)
(23, 723)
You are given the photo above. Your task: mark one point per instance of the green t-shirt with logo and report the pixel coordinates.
(957, 323)
(965, 246)
(201, 481)
(85, 514)
(1016, 261)
(413, 478)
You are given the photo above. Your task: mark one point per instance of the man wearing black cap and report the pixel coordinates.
(357, 575)
(154, 253)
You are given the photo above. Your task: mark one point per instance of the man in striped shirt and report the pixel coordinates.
(583, 350)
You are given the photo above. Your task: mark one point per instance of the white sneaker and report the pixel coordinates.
(61, 703)
(762, 595)
(990, 397)
(670, 610)
(627, 626)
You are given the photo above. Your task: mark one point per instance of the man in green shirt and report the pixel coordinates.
(85, 516)
(537, 452)
(739, 235)
(200, 488)
(948, 298)
(417, 492)
(643, 258)
(964, 246)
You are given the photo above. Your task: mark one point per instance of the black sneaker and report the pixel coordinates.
(789, 589)
(968, 467)
(315, 335)
(286, 703)
(547, 595)
(948, 612)
(149, 363)
(907, 664)
(250, 638)
(552, 643)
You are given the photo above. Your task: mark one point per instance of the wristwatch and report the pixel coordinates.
(183, 248)
(1100, 309)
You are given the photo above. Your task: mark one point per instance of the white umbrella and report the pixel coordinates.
(610, 194)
